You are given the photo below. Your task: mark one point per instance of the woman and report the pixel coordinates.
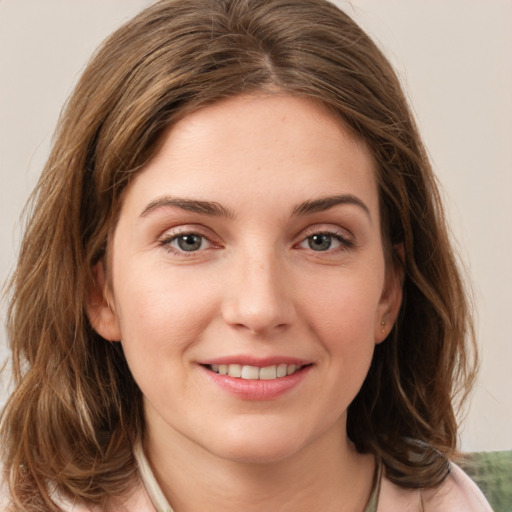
(237, 289)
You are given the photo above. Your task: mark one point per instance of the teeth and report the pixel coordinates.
(235, 370)
(282, 370)
(250, 372)
(253, 372)
(268, 373)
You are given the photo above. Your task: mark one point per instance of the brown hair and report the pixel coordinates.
(75, 411)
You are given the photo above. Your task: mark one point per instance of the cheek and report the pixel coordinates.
(162, 310)
(342, 307)
(340, 317)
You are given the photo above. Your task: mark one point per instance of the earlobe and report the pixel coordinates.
(389, 306)
(100, 307)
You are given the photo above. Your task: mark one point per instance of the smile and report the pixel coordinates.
(254, 372)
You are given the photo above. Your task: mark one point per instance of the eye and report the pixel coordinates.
(321, 242)
(187, 242)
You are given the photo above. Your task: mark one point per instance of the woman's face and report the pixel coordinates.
(251, 245)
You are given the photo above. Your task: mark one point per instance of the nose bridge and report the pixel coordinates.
(257, 297)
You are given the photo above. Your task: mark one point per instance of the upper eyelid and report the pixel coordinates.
(186, 229)
(331, 229)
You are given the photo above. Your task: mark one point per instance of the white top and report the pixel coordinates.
(458, 493)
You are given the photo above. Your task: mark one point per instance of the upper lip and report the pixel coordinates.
(261, 362)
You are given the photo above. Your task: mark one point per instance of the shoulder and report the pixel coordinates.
(457, 493)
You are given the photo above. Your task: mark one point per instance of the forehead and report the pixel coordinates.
(258, 148)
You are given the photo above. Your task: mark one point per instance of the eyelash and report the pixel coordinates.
(341, 237)
(167, 240)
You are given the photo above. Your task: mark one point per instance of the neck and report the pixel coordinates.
(327, 475)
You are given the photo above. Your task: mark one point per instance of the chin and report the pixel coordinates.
(258, 453)
(264, 445)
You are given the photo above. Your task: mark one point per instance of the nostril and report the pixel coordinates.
(257, 299)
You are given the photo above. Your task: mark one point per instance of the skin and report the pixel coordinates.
(254, 287)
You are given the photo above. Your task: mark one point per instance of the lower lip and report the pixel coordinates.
(258, 389)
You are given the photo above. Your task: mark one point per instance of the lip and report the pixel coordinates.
(260, 362)
(257, 390)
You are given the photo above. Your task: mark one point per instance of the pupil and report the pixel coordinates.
(320, 242)
(189, 242)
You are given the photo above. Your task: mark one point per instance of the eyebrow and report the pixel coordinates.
(190, 205)
(325, 203)
(215, 209)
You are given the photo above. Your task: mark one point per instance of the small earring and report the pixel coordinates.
(383, 323)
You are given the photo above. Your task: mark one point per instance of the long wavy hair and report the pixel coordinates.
(75, 412)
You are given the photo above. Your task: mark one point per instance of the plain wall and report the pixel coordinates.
(454, 59)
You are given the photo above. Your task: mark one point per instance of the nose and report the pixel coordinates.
(258, 295)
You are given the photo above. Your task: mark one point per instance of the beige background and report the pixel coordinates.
(454, 57)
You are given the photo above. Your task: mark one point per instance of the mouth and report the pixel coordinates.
(248, 378)
(247, 372)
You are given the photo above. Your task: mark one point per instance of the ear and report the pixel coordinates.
(390, 301)
(101, 307)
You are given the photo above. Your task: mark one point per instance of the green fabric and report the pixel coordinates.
(492, 472)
